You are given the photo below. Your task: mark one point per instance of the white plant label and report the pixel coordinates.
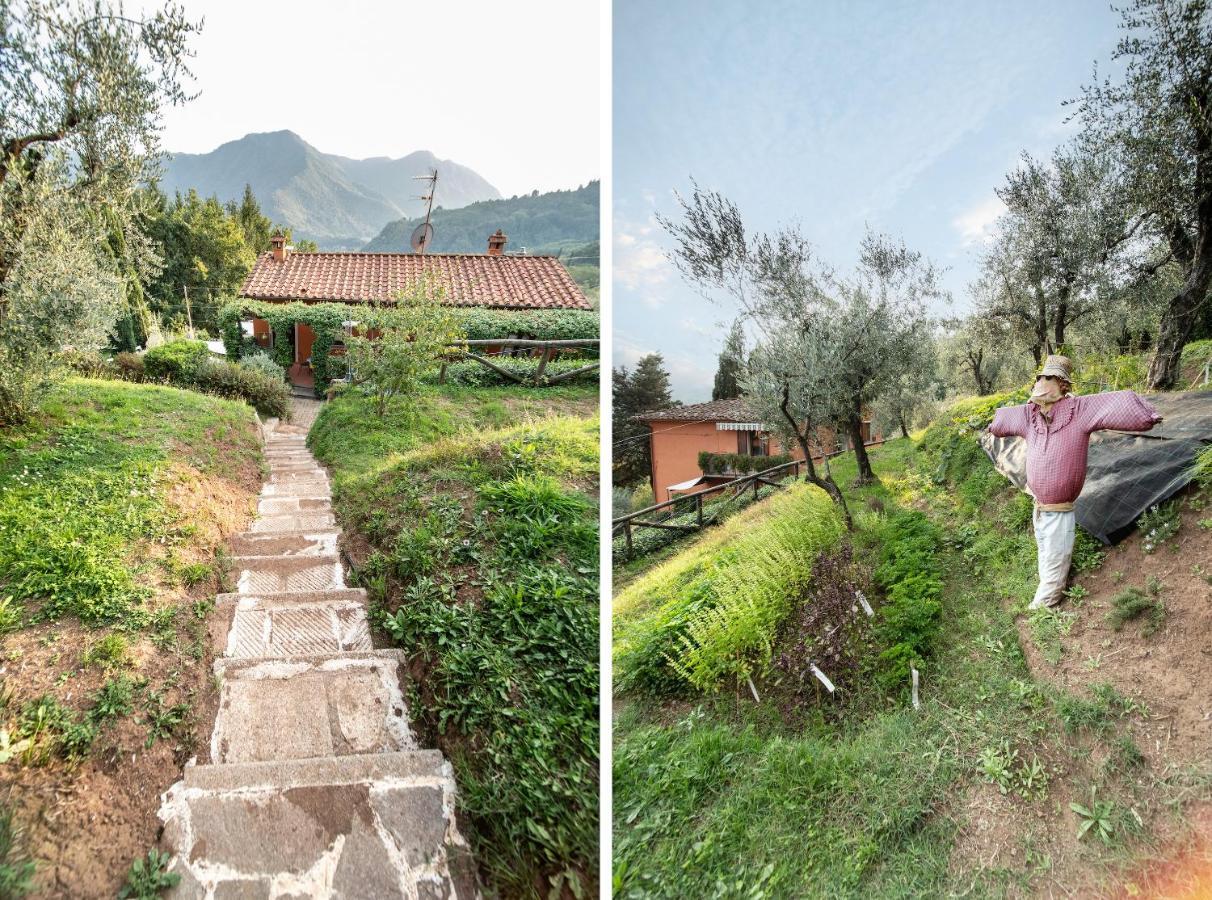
(866, 606)
(822, 678)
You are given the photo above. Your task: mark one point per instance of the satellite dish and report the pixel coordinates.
(422, 237)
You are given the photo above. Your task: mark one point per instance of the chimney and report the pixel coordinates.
(496, 243)
(277, 243)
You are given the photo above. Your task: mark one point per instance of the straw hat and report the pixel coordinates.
(1059, 367)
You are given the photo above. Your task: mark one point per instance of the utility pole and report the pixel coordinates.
(189, 317)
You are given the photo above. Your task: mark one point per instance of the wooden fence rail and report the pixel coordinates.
(774, 476)
(549, 348)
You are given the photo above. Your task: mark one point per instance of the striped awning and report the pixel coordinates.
(740, 426)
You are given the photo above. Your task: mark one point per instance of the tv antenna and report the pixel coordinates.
(422, 235)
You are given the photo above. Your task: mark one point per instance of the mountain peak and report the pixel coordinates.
(338, 202)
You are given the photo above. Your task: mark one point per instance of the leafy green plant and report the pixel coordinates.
(1096, 816)
(10, 615)
(16, 868)
(109, 652)
(148, 877)
(996, 765)
(1158, 524)
(115, 698)
(909, 573)
(163, 721)
(715, 609)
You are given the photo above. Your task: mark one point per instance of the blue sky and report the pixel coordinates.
(899, 115)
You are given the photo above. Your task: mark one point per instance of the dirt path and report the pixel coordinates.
(315, 786)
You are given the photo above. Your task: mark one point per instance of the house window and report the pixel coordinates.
(752, 443)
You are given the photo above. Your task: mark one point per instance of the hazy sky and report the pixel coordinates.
(509, 89)
(901, 115)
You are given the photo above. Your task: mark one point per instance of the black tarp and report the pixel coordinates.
(1127, 473)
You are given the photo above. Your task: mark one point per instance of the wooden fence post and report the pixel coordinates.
(698, 508)
(627, 531)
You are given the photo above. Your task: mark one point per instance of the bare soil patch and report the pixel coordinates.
(1169, 671)
(85, 823)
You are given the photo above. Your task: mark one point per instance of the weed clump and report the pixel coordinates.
(1132, 602)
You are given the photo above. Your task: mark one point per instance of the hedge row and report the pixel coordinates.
(719, 463)
(190, 365)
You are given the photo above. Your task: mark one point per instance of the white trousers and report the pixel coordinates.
(1054, 533)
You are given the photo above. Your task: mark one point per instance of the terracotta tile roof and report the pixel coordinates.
(735, 410)
(470, 279)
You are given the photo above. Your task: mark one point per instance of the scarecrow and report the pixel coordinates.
(1057, 426)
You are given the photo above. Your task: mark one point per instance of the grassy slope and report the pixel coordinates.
(472, 522)
(720, 796)
(114, 506)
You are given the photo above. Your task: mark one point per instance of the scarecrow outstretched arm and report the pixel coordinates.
(1009, 421)
(1118, 410)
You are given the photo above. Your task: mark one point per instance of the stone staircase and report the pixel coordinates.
(315, 786)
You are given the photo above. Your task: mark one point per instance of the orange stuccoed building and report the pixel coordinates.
(679, 434)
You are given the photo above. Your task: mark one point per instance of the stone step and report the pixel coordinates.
(310, 706)
(275, 456)
(300, 543)
(282, 574)
(302, 475)
(298, 487)
(307, 469)
(299, 522)
(353, 827)
(277, 506)
(261, 632)
(294, 598)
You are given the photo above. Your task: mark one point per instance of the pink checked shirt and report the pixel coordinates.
(1056, 452)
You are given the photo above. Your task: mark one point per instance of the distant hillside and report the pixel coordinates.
(538, 222)
(335, 201)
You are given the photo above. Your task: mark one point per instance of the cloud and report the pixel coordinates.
(639, 261)
(690, 374)
(975, 224)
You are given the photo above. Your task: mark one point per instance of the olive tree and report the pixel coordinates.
(1157, 119)
(398, 345)
(81, 89)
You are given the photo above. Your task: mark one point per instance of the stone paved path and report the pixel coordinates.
(315, 785)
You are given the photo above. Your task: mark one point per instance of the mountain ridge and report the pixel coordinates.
(548, 222)
(337, 201)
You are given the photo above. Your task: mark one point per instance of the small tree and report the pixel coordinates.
(81, 90)
(399, 345)
(644, 389)
(732, 364)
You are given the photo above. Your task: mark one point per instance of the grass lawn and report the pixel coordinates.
(471, 518)
(718, 795)
(115, 504)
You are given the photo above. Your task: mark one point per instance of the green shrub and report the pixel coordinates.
(269, 395)
(88, 363)
(912, 580)
(716, 463)
(129, 367)
(263, 362)
(175, 361)
(713, 611)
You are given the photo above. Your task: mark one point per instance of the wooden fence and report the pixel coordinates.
(773, 476)
(549, 348)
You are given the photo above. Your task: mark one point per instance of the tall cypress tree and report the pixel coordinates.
(643, 390)
(732, 363)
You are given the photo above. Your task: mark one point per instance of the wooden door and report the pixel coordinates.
(304, 338)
